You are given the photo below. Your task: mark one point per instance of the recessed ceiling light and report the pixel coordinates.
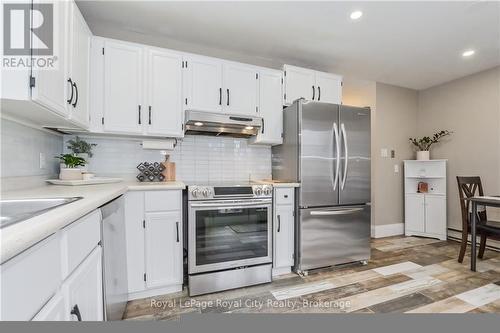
(198, 123)
(249, 128)
(468, 53)
(356, 15)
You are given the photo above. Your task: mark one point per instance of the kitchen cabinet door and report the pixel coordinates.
(414, 212)
(240, 91)
(328, 88)
(163, 249)
(164, 93)
(80, 37)
(84, 289)
(134, 233)
(51, 88)
(203, 86)
(435, 214)
(54, 310)
(283, 236)
(123, 86)
(299, 83)
(270, 108)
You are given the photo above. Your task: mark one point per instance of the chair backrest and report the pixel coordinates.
(469, 187)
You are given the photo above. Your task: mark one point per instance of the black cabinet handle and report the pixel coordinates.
(150, 115)
(319, 93)
(140, 115)
(279, 223)
(71, 85)
(263, 125)
(177, 230)
(76, 95)
(76, 311)
(220, 96)
(227, 96)
(314, 92)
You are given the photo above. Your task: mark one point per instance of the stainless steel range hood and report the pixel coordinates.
(211, 123)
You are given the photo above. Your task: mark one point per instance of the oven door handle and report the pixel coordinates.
(231, 204)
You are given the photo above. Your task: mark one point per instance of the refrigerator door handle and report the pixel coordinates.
(346, 156)
(337, 156)
(335, 212)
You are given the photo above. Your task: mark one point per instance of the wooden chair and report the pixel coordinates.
(469, 187)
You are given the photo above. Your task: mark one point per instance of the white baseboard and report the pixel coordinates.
(155, 292)
(386, 230)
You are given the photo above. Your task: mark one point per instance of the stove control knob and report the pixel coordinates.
(258, 191)
(195, 193)
(206, 193)
(267, 191)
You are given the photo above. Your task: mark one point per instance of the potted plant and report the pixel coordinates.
(423, 145)
(70, 171)
(81, 148)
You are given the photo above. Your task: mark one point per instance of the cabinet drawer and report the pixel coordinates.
(30, 279)
(162, 200)
(283, 196)
(424, 169)
(79, 239)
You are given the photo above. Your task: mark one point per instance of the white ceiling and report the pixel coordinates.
(410, 44)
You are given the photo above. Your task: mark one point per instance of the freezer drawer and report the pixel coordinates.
(333, 236)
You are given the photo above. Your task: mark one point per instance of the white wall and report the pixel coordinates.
(470, 107)
(197, 158)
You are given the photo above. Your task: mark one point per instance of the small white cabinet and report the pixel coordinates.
(123, 86)
(311, 85)
(164, 93)
(283, 230)
(270, 108)
(215, 85)
(153, 221)
(425, 212)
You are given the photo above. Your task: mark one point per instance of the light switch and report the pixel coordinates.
(396, 168)
(384, 152)
(42, 161)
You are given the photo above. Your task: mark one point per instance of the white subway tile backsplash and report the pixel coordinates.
(198, 158)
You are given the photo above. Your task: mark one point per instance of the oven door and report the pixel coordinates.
(226, 234)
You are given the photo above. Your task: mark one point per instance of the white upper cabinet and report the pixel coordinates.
(270, 108)
(311, 85)
(328, 88)
(164, 93)
(80, 67)
(123, 86)
(203, 84)
(52, 88)
(240, 93)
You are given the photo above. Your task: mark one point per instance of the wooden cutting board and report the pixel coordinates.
(169, 172)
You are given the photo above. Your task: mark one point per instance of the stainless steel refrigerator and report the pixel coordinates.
(326, 148)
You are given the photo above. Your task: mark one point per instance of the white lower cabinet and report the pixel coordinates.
(54, 310)
(83, 289)
(283, 230)
(154, 242)
(425, 215)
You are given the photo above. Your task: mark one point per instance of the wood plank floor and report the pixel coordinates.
(404, 275)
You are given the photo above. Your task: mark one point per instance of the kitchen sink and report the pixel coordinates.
(17, 210)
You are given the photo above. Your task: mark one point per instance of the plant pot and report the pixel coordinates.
(70, 174)
(423, 155)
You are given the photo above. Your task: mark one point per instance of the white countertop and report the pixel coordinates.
(20, 236)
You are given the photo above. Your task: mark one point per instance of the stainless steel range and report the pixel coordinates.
(229, 236)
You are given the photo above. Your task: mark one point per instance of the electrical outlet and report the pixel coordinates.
(384, 152)
(396, 168)
(42, 161)
(393, 153)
